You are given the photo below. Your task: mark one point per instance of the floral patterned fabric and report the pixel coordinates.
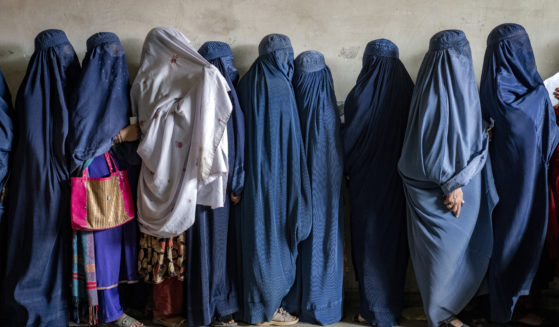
(161, 258)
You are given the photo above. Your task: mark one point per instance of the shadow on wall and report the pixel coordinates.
(244, 55)
(132, 46)
(554, 48)
(13, 63)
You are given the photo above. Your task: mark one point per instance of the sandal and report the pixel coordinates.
(225, 321)
(127, 321)
(448, 322)
(281, 318)
(176, 321)
(360, 320)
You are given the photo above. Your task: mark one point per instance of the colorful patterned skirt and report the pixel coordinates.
(161, 258)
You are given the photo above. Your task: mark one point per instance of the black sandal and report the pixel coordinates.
(224, 321)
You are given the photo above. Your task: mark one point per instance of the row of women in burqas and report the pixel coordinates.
(473, 169)
(207, 252)
(476, 205)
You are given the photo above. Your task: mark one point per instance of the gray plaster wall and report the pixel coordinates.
(339, 29)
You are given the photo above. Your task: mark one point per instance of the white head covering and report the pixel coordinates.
(183, 107)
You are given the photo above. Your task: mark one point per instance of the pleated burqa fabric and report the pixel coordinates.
(102, 109)
(317, 295)
(446, 148)
(6, 134)
(35, 285)
(376, 113)
(210, 289)
(276, 204)
(6, 139)
(513, 94)
(183, 107)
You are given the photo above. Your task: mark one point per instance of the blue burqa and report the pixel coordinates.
(101, 110)
(376, 114)
(35, 285)
(210, 288)
(317, 296)
(6, 133)
(446, 148)
(525, 136)
(276, 203)
(6, 139)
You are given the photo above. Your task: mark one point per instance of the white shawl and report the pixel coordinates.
(183, 106)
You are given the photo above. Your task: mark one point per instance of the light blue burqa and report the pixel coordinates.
(446, 148)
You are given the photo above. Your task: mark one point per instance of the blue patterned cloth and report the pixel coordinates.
(525, 136)
(317, 296)
(35, 286)
(446, 148)
(376, 113)
(276, 204)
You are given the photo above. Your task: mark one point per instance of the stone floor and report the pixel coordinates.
(413, 315)
(414, 320)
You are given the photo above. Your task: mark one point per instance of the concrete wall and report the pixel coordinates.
(339, 29)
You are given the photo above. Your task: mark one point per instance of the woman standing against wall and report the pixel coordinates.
(183, 107)
(525, 136)
(447, 180)
(99, 124)
(376, 112)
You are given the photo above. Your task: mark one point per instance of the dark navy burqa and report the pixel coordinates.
(6, 139)
(317, 296)
(35, 285)
(102, 104)
(525, 136)
(101, 110)
(276, 203)
(376, 114)
(446, 148)
(6, 133)
(210, 288)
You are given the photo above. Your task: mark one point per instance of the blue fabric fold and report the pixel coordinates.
(317, 295)
(524, 138)
(275, 212)
(35, 285)
(376, 113)
(102, 102)
(445, 148)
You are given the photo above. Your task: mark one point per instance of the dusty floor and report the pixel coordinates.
(413, 313)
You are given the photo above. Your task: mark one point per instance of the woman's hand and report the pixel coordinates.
(556, 94)
(235, 198)
(129, 133)
(454, 201)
